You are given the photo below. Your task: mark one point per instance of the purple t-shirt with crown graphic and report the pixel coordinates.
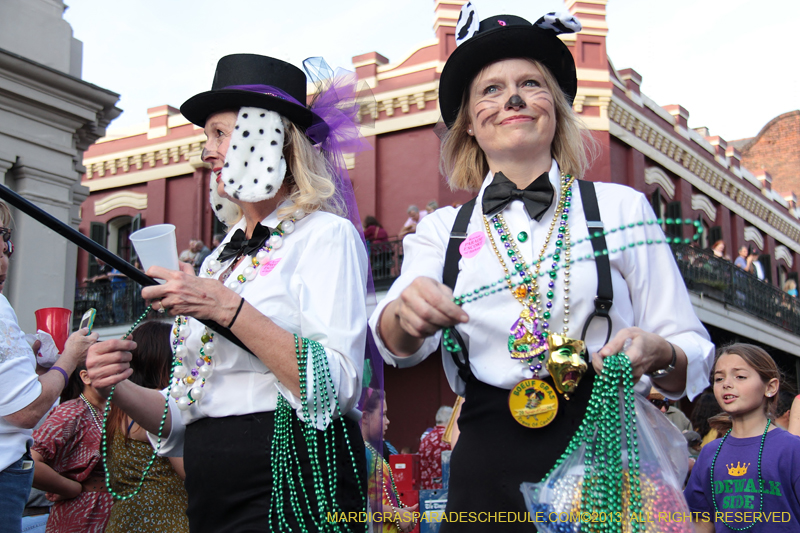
(736, 483)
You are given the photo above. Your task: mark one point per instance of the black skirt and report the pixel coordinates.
(495, 454)
(229, 476)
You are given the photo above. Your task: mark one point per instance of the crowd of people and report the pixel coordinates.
(253, 403)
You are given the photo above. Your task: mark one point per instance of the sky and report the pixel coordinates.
(733, 64)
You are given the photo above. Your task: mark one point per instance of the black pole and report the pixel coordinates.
(15, 200)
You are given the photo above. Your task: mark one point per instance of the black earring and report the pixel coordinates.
(515, 101)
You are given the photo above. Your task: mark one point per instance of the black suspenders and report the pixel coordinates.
(605, 292)
(450, 275)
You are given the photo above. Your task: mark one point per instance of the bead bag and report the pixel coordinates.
(623, 471)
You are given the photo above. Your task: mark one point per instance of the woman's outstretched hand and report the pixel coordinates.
(108, 363)
(423, 308)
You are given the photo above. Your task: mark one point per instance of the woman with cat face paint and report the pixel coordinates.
(289, 280)
(519, 342)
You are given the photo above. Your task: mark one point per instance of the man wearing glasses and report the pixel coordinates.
(674, 414)
(27, 391)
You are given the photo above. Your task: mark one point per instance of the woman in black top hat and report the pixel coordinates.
(505, 95)
(262, 431)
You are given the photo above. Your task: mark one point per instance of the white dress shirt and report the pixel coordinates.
(19, 384)
(316, 289)
(649, 291)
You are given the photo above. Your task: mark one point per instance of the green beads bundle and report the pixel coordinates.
(614, 475)
(288, 483)
(609, 485)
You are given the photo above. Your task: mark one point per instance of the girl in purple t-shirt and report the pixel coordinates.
(723, 491)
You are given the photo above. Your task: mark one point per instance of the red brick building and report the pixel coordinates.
(776, 151)
(153, 174)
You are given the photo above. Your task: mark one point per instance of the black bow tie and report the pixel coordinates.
(537, 196)
(239, 245)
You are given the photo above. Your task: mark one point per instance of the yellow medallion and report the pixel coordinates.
(533, 403)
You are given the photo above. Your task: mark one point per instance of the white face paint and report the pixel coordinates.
(254, 165)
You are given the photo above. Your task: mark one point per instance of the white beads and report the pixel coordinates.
(214, 265)
(197, 393)
(250, 273)
(181, 352)
(184, 330)
(287, 226)
(180, 371)
(263, 255)
(234, 285)
(183, 403)
(276, 241)
(209, 349)
(298, 214)
(178, 389)
(206, 371)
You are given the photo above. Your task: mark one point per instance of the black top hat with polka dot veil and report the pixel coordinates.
(505, 37)
(251, 80)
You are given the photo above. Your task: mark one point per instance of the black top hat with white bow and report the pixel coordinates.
(251, 80)
(505, 37)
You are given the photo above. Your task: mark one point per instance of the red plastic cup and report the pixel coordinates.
(56, 322)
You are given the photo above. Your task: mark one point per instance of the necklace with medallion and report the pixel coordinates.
(532, 402)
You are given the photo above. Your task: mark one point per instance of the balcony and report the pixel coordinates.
(119, 304)
(702, 272)
(386, 259)
(721, 280)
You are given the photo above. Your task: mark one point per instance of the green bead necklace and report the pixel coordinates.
(760, 479)
(283, 452)
(506, 282)
(607, 486)
(104, 433)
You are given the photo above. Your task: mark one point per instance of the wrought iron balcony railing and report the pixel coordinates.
(721, 280)
(120, 303)
(386, 259)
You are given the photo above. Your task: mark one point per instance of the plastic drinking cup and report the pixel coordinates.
(156, 245)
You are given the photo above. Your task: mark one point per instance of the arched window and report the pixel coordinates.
(114, 235)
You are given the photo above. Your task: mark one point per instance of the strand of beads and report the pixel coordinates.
(760, 480)
(527, 293)
(250, 272)
(611, 480)
(104, 432)
(283, 452)
(507, 280)
(189, 383)
(95, 416)
(393, 496)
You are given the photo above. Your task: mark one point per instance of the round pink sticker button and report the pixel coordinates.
(472, 244)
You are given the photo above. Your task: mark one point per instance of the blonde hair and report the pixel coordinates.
(5, 215)
(464, 163)
(309, 176)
